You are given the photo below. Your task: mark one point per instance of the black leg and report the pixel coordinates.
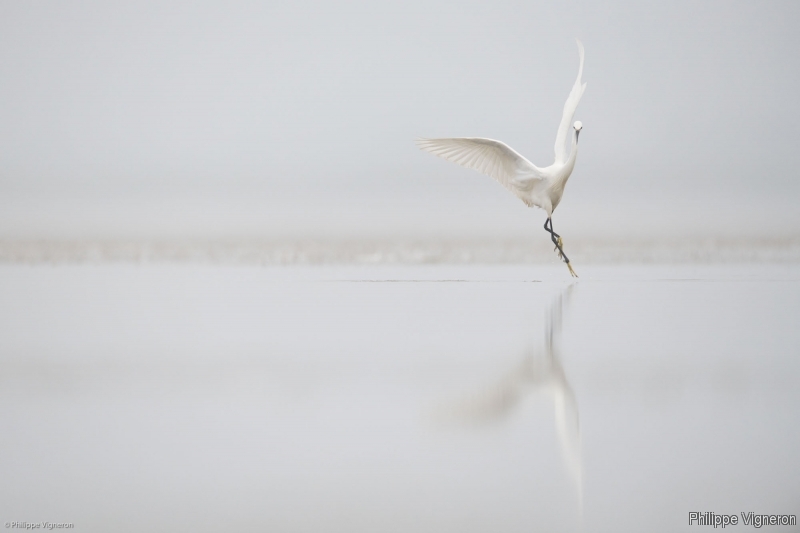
(554, 237)
(550, 229)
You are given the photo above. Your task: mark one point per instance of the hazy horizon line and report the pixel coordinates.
(321, 251)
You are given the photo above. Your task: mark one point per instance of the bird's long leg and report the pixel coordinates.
(550, 229)
(556, 238)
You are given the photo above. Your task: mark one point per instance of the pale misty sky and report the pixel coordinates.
(298, 118)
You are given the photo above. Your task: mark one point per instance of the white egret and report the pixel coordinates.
(540, 187)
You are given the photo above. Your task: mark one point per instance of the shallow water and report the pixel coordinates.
(375, 398)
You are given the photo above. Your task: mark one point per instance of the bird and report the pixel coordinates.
(535, 186)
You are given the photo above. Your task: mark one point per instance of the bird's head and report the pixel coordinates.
(578, 127)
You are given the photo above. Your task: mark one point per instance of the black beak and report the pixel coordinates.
(577, 134)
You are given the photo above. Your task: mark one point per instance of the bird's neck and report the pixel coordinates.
(570, 162)
(573, 152)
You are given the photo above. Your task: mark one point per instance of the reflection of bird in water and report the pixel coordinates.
(538, 372)
(541, 187)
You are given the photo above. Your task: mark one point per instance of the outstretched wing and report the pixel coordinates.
(569, 112)
(490, 157)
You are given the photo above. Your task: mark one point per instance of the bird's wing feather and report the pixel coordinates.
(569, 112)
(490, 157)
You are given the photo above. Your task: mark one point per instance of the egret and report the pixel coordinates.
(540, 187)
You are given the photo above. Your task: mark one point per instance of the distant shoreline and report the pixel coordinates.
(396, 251)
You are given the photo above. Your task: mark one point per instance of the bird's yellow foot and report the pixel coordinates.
(559, 247)
(574, 275)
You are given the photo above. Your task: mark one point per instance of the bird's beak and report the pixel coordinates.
(577, 134)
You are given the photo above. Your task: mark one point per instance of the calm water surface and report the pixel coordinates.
(203, 398)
